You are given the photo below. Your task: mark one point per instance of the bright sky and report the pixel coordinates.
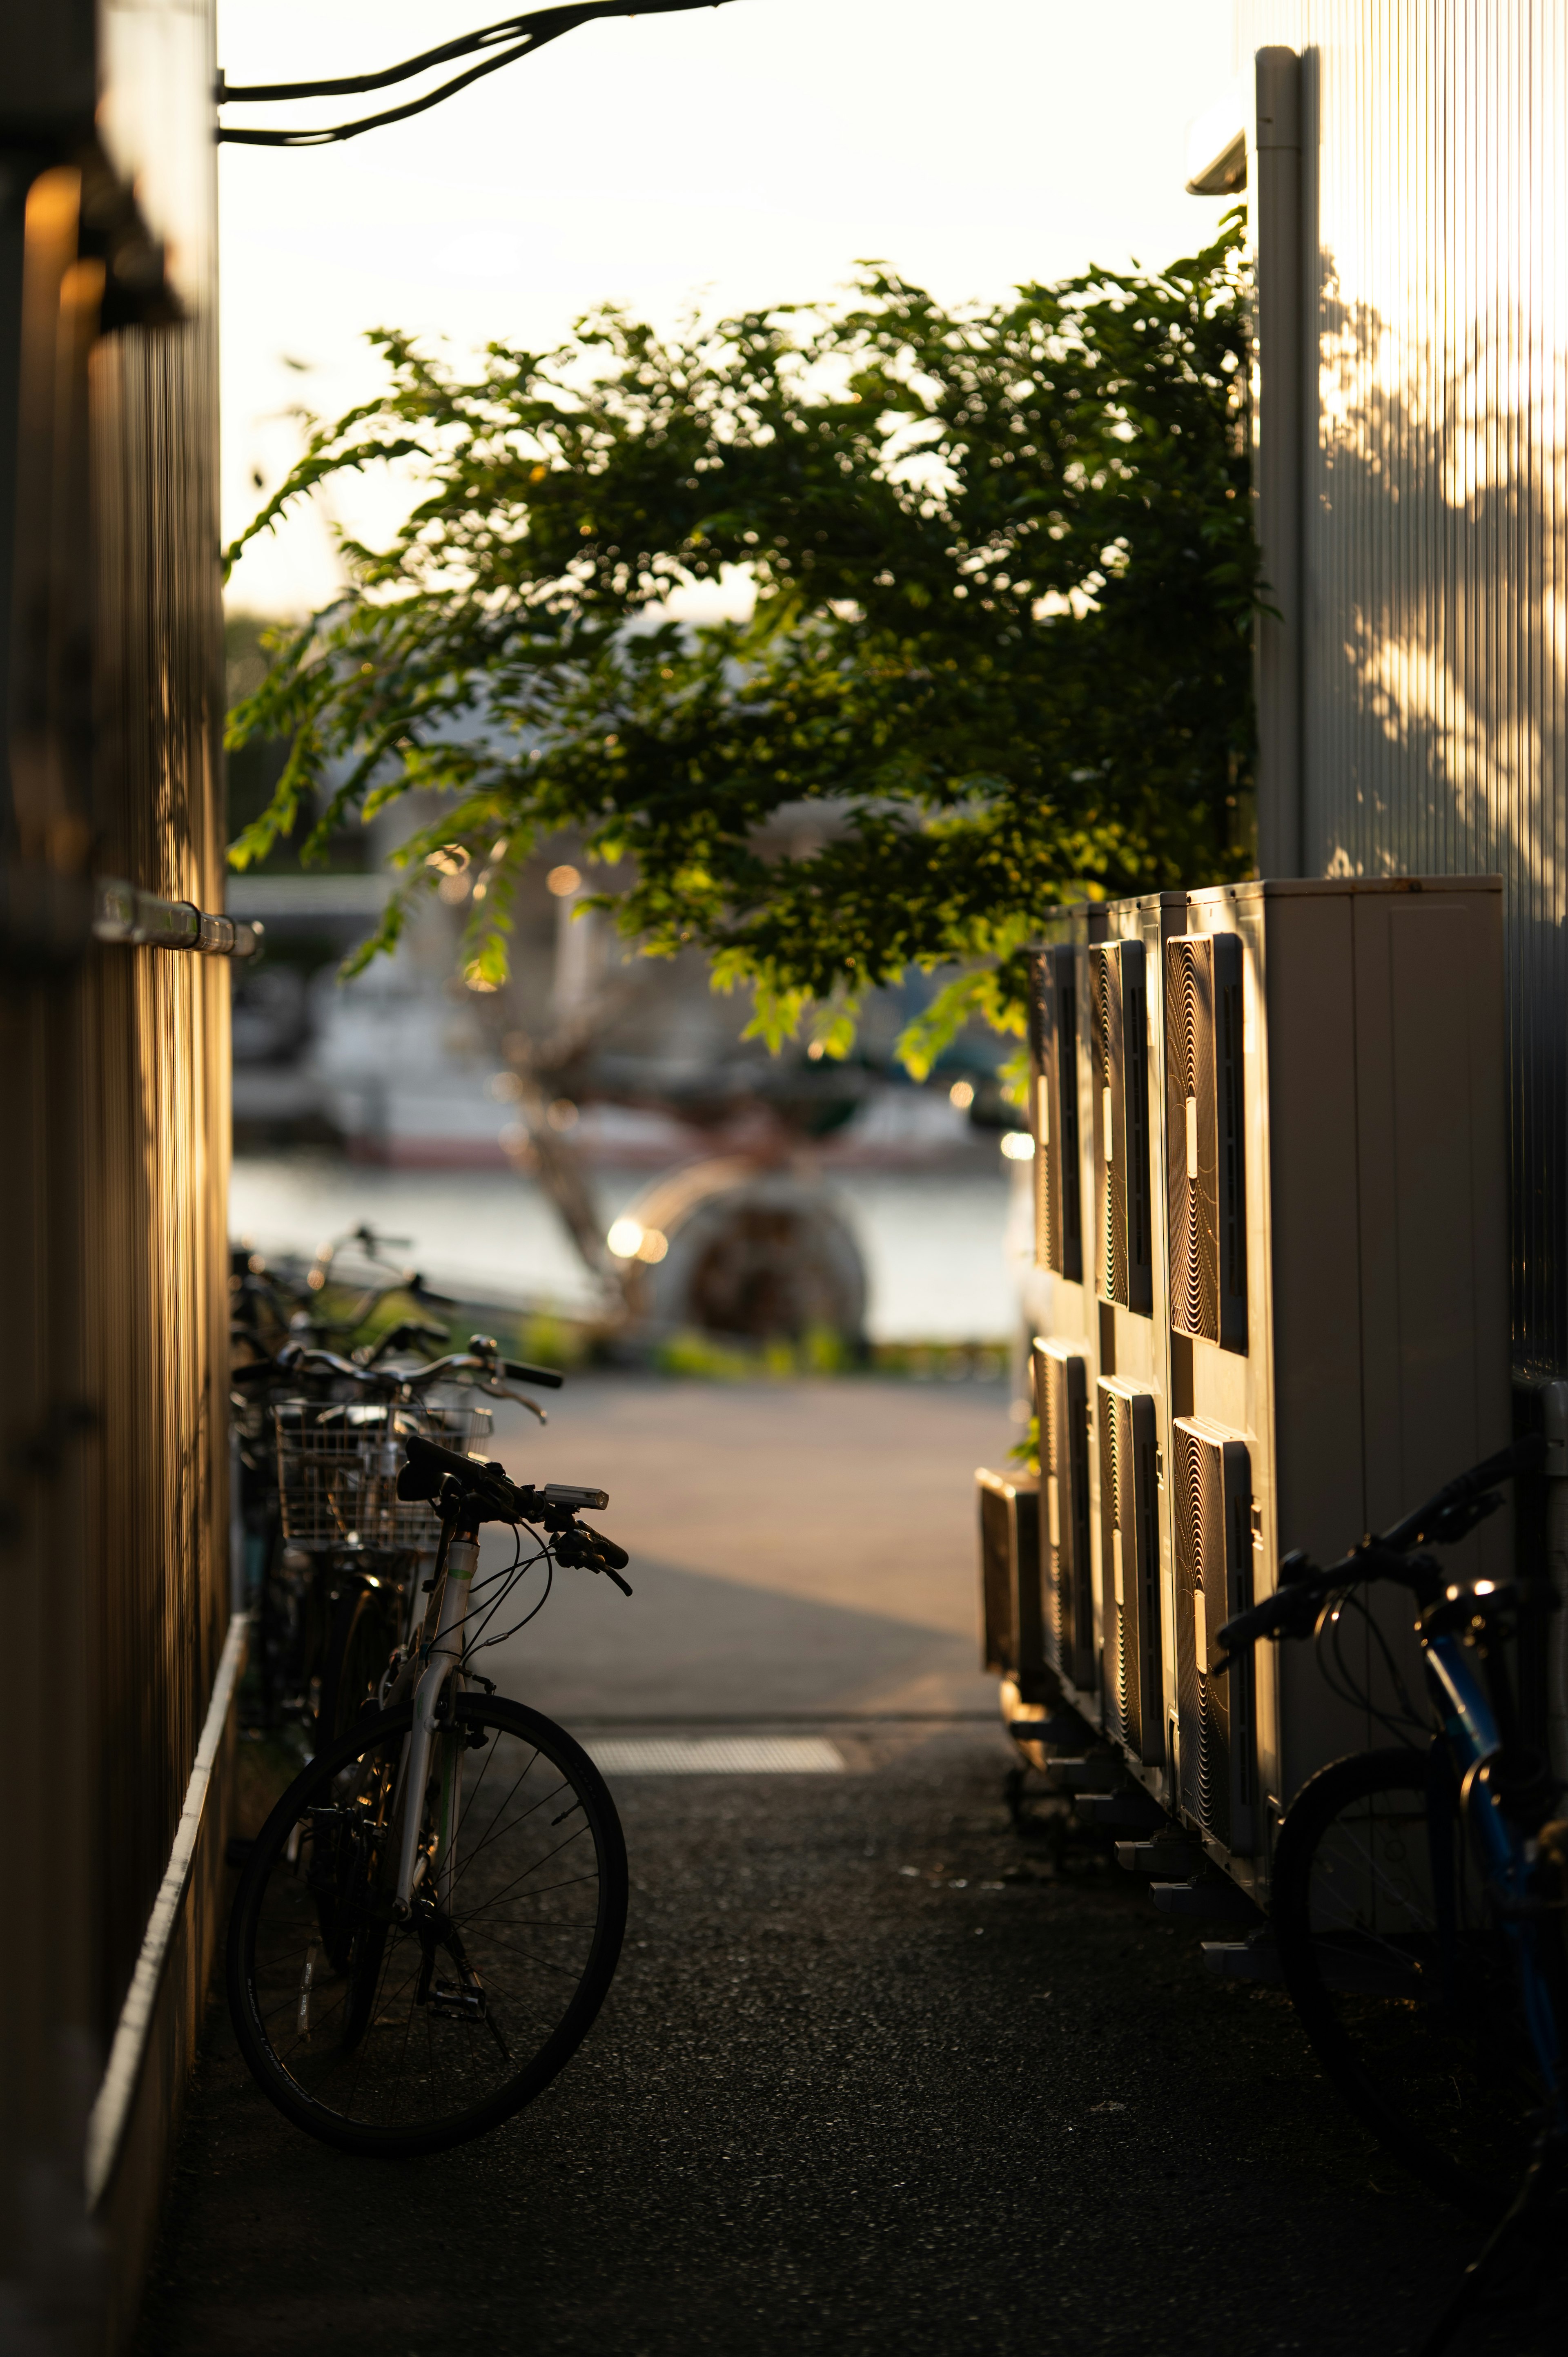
(736, 157)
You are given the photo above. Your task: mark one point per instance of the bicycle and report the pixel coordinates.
(417, 1946)
(277, 1324)
(342, 1556)
(1418, 1899)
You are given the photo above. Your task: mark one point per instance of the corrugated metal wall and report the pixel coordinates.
(1435, 156)
(155, 1119)
(114, 1149)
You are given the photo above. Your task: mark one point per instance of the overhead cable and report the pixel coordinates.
(512, 38)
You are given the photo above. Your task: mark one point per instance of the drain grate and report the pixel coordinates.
(717, 1755)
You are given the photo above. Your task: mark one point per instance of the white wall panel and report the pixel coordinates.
(1435, 583)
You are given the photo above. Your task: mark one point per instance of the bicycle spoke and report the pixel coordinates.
(468, 1989)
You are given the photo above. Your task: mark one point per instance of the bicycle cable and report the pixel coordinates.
(483, 1645)
(1343, 1682)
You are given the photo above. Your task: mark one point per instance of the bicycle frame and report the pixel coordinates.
(442, 1658)
(1471, 1735)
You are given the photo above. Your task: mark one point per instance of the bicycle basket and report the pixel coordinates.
(337, 1466)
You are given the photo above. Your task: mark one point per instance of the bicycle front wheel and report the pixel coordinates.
(1404, 1980)
(399, 2036)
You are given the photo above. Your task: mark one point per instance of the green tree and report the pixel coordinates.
(1004, 573)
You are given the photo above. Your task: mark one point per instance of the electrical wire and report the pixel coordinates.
(511, 38)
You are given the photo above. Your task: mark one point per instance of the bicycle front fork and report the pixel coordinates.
(443, 1657)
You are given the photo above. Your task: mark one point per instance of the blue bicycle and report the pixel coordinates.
(1419, 1891)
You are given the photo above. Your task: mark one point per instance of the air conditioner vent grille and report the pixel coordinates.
(1061, 1393)
(1119, 1048)
(1205, 1115)
(1129, 1569)
(1211, 1528)
(1053, 1112)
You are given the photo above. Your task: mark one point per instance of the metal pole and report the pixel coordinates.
(1279, 459)
(1554, 1424)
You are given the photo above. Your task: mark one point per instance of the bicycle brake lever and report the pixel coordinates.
(500, 1391)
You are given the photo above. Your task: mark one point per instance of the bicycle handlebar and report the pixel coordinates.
(1449, 1514)
(485, 1487)
(297, 1359)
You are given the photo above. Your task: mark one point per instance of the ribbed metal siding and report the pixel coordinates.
(1436, 177)
(114, 1154)
(157, 1119)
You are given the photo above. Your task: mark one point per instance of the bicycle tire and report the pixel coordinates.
(1421, 2034)
(318, 1968)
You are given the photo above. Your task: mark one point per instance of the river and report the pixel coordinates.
(940, 1247)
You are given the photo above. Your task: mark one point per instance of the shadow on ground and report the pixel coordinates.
(875, 2075)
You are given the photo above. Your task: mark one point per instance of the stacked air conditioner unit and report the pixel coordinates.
(1271, 1188)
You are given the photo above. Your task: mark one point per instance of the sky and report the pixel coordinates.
(728, 158)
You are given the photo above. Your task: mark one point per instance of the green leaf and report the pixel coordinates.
(998, 658)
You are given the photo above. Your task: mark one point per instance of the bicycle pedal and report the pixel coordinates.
(454, 2003)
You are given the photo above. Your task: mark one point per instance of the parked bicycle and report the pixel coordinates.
(316, 1583)
(337, 1459)
(1419, 1891)
(430, 1918)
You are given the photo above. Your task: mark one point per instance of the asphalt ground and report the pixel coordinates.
(880, 2071)
(877, 2073)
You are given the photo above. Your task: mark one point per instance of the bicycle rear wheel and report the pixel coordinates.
(1404, 1980)
(365, 1627)
(401, 2037)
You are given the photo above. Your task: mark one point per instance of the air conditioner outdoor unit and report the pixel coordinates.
(1012, 1617)
(1211, 1503)
(1205, 1137)
(1062, 1396)
(1335, 1156)
(1061, 1301)
(1293, 1176)
(1129, 1569)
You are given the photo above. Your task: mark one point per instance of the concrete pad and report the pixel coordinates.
(796, 1548)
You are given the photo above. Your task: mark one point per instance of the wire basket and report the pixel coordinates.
(337, 1466)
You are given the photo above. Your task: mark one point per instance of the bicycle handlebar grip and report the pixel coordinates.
(1276, 1611)
(1525, 1455)
(521, 1372)
(421, 1451)
(613, 1558)
(429, 1465)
